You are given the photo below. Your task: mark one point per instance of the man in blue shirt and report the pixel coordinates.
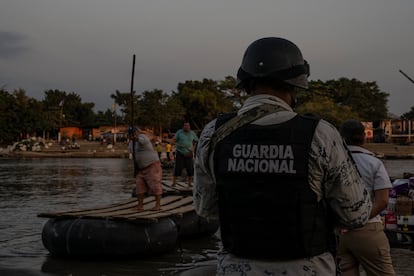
(185, 140)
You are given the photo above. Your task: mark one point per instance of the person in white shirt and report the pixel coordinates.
(367, 246)
(149, 176)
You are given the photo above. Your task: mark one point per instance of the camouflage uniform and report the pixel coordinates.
(332, 176)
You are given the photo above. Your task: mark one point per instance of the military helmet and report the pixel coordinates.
(273, 58)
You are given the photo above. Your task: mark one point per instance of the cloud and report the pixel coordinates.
(12, 44)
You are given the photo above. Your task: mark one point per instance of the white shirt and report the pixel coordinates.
(372, 171)
(145, 154)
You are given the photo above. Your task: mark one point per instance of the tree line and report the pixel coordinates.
(195, 101)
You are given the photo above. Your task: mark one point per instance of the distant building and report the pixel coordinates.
(398, 131)
(120, 131)
(369, 131)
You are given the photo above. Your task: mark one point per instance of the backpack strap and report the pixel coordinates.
(229, 123)
(238, 121)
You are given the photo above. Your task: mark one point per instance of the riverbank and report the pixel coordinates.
(391, 151)
(114, 153)
(85, 149)
(88, 149)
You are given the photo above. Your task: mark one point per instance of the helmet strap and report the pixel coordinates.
(294, 102)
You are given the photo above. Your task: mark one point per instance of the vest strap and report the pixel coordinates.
(238, 121)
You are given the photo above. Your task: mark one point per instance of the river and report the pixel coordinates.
(32, 186)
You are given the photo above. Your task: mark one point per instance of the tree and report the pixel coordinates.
(203, 101)
(8, 130)
(159, 110)
(54, 104)
(363, 101)
(195, 101)
(123, 100)
(29, 114)
(409, 115)
(174, 112)
(87, 118)
(365, 98)
(235, 95)
(325, 108)
(67, 109)
(152, 108)
(71, 107)
(104, 118)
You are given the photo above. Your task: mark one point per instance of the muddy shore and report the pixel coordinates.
(86, 150)
(391, 151)
(120, 150)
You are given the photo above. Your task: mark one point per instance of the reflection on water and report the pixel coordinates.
(32, 186)
(396, 168)
(187, 255)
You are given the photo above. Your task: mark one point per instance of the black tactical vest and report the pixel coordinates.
(266, 207)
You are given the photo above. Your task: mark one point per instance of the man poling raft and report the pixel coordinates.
(131, 228)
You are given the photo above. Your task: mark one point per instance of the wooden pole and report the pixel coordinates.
(405, 75)
(132, 116)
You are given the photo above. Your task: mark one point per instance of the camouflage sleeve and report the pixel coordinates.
(334, 176)
(205, 197)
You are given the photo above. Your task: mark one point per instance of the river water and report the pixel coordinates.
(32, 186)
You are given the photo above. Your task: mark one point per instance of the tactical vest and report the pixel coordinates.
(267, 209)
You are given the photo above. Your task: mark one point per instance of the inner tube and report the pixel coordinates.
(191, 225)
(100, 238)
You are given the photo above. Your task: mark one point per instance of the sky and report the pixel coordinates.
(86, 46)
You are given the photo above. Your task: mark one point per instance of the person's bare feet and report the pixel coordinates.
(140, 208)
(156, 208)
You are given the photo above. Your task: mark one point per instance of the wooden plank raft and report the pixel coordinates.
(176, 201)
(180, 188)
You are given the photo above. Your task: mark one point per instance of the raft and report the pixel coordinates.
(120, 230)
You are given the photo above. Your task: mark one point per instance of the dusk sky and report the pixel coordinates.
(86, 46)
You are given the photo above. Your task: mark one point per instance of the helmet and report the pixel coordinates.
(276, 59)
